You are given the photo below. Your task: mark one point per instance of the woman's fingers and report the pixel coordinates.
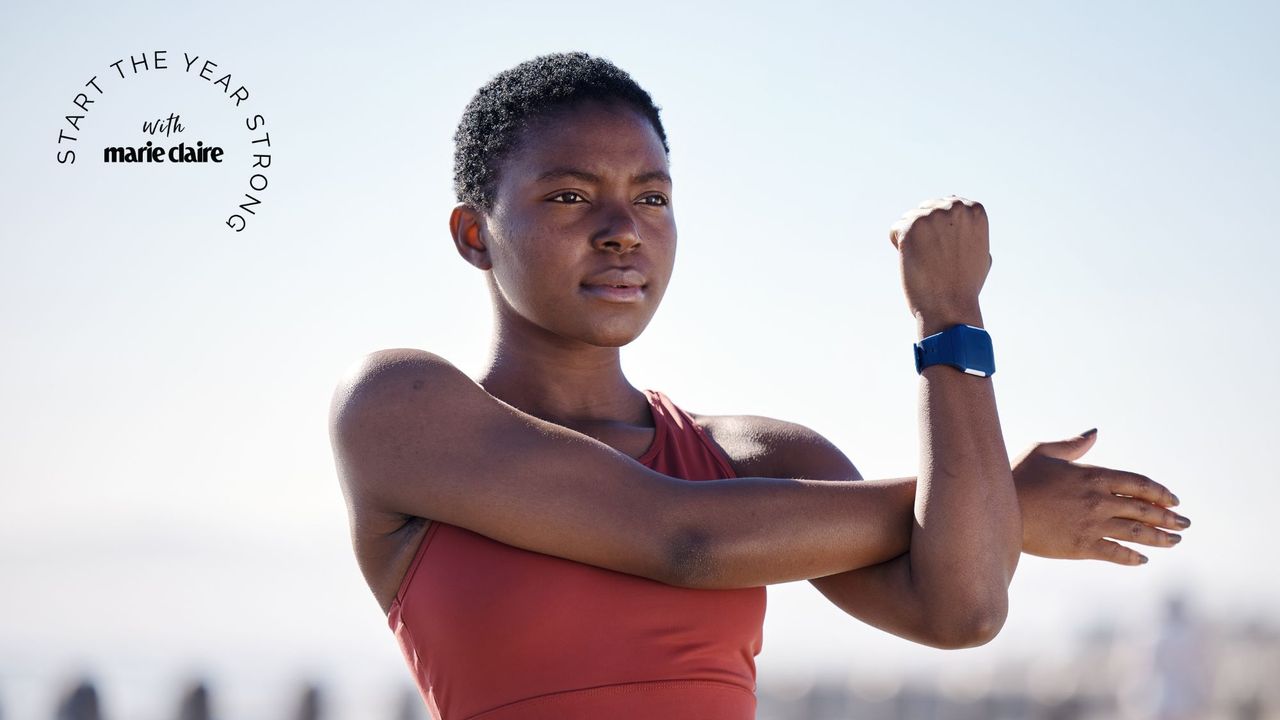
(1123, 482)
(1134, 509)
(1138, 532)
(1115, 552)
(1135, 521)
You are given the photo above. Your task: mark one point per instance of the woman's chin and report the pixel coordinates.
(613, 334)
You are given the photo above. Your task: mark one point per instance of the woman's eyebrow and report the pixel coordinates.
(640, 179)
(651, 176)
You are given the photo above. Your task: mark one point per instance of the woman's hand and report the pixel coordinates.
(940, 247)
(1069, 509)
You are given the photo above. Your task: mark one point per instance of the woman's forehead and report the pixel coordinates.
(591, 139)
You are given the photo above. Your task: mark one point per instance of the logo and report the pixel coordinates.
(167, 140)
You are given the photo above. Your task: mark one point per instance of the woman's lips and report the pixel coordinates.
(609, 293)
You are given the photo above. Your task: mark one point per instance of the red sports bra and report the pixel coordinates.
(495, 632)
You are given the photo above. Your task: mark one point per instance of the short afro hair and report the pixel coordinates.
(503, 107)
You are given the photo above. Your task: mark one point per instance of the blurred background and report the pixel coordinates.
(173, 541)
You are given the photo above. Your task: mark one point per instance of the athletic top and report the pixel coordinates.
(496, 632)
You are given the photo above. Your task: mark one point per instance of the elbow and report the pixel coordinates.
(689, 562)
(974, 627)
(976, 632)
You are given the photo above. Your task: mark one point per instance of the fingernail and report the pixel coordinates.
(1176, 501)
(1175, 539)
(1142, 560)
(1087, 433)
(1184, 522)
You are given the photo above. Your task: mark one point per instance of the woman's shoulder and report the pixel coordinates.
(380, 379)
(393, 392)
(390, 362)
(761, 446)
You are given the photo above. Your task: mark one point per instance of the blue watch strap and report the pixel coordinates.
(964, 347)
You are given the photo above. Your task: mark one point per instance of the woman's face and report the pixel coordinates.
(581, 204)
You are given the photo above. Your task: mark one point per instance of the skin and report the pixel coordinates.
(555, 352)
(966, 505)
(553, 391)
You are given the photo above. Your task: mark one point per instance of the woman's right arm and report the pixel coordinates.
(412, 434)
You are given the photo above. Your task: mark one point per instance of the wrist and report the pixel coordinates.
(935, 322)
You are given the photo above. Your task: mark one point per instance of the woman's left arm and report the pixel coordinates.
(1068, 510)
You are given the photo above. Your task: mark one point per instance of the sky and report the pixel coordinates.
(171, 505)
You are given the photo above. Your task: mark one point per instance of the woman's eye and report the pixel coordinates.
(566, 193)
(660, 200)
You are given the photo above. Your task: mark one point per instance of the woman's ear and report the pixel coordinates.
(467, 225)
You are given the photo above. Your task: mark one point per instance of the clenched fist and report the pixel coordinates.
(941, 248)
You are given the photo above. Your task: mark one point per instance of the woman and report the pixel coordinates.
(549, 541)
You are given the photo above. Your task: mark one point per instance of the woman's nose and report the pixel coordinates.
(620, 234)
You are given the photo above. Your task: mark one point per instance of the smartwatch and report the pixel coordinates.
(964, 347)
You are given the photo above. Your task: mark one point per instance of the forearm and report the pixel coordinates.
(752, 531)
(968, 525)
(883, 596)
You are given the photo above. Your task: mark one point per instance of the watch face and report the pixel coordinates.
(964, 347)
(975, 344)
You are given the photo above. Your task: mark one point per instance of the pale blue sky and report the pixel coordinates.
(161, 370)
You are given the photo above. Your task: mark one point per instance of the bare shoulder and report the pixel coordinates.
(760, 446)
(382, 383)
(383, 376)
(377, 392)
(373, 399)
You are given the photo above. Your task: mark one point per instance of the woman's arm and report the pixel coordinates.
(962, 514)
(1069, 510)
(412, 434)
(968, 531)
(967, 528)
